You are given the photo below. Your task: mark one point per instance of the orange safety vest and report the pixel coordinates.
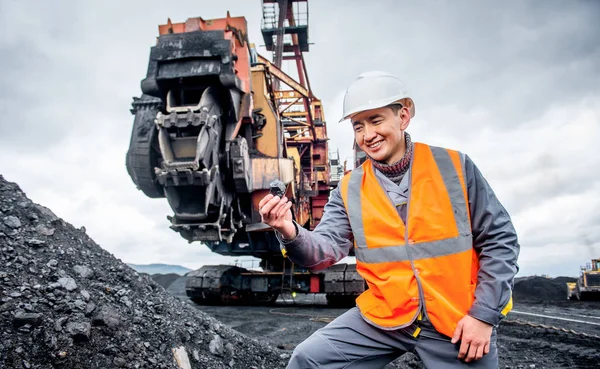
(431, 259)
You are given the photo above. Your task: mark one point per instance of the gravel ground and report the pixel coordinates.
(67, 303)
(520, 344)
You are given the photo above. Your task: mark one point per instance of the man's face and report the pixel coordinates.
(378, 133)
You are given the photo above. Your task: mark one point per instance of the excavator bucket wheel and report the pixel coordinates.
(143, 154)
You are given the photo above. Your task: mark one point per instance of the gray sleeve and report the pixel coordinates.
(328, 243)
(495, 241)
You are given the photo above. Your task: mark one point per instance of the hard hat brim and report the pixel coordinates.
(380, 104)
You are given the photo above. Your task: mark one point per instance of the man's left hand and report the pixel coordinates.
(475, 338)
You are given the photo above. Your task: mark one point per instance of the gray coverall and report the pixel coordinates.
(352, 342)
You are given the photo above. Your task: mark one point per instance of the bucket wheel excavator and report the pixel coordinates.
(215, 124)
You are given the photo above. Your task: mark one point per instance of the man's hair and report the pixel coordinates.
(395, 107)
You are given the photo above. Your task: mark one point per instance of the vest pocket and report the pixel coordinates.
(372, 306)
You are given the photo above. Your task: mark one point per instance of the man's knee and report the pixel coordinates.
(309, 353)
(301, 359)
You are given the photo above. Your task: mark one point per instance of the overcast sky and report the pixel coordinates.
(514, 84)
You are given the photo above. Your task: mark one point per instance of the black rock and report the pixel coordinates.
(89, 308)
(79, 331)
(79, 304)
(107, 316)
(12, 222)
(83, 271)
(22, 318)
(119, 362)
(43, 230)
(85, 294)
(52, 263)
(59, 323)
(68, 283)
(35, 242)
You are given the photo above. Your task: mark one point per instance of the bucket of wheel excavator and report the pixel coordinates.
(195, 96)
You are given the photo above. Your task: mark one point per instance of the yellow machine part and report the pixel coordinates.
(269, 143)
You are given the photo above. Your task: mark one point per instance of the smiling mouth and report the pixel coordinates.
(375, 145)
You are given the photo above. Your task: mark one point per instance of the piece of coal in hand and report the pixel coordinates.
(277, 188)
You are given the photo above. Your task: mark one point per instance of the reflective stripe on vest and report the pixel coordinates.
(425, 250)
(429, 260)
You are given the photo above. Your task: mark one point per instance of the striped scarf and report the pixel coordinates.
(396, 171)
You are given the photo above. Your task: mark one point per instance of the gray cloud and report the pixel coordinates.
(513, 58)
(546, 176)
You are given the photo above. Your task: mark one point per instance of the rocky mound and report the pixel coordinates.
(65, 302)
(539, 289)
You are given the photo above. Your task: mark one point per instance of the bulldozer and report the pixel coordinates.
(587, 286)
(215, 125)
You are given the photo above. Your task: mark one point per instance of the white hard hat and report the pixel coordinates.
(375, 89)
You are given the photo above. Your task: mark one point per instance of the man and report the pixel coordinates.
(436, 247)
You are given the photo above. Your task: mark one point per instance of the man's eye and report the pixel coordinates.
(377, 121)
(357, 128)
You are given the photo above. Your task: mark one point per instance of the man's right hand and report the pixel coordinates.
(276, 212)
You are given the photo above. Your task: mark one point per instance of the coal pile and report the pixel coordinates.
(541, 289)
(67, 303)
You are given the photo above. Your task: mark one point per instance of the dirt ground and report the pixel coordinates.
(524, 340)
